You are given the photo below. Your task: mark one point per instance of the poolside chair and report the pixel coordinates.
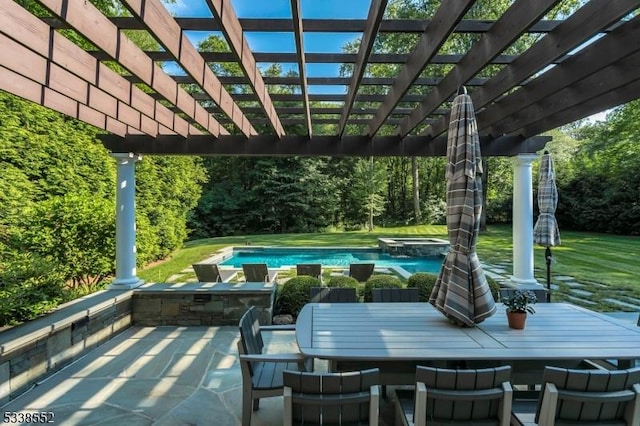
(395, 295)
(258, 273)
(333, 295)
(210, 273)
(361, 271)
(588, 397)
(309, 269)
(262, 373)
(462, 397)
(351, 398)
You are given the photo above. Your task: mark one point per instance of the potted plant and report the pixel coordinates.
(518, 304)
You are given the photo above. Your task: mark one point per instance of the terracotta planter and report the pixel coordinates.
(517, 319)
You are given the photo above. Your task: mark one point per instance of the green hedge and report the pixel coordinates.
(294, 294)
(342, 281)
(380, 281)
(424, 282)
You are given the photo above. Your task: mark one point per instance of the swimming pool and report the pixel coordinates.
(276, 257)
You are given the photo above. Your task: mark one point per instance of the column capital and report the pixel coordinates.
(126, 156)
(525, 159)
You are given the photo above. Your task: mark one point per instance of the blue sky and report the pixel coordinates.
(284, 42)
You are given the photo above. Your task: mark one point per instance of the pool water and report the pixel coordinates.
(278, 257)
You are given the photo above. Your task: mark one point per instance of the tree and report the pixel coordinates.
(369, 183)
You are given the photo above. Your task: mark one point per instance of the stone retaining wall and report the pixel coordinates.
(36, 349)
(201, 303)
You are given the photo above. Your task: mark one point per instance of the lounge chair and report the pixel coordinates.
(309, 269)
(351, 398)
(258, 273)
(210, 273)
(461, 397)
(588, 397)
(333, 295)
(262, 373)
(395, 294)
(361, 271)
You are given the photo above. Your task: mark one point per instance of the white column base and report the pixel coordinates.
(524, 283)
(125, 284)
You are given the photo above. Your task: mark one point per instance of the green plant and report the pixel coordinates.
(380, 281)
(294, 294)
(424, 282)
(520, 301)
(342, 281)
(495, 288)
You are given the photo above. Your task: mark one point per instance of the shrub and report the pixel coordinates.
(342, 281)
(495, 289)
(424, 282)
(294, 294)
(380, 281)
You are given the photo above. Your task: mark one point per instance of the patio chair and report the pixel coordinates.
(309, 269)
(262, 373)
(395, 295)
(332, 398)
(258, 273)
(361, 271)
(462, 397)
(210, 273)
(588, 397)
(333, 295)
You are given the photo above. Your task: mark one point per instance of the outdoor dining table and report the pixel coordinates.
(393, 332)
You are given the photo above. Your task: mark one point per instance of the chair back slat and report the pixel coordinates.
(255, 272)
(250, 335)
(333, 295)
(583, 382)
(206, 272)
(309, 269)
(331, 398)
(464, 408)
(361, 271)
(395, 295)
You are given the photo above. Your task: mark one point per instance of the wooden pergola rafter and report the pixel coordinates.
(579, 65)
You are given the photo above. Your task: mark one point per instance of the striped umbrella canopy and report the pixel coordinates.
(461, 292)
(545, 231)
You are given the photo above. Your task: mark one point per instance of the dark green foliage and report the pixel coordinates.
(294, 294)
(494, 287)
(424, 282)
(379, 281)
(29, 286)
(342, 281)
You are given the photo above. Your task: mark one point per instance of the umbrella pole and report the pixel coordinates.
(547, 255)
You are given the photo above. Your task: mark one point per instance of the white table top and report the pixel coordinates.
(412, 331)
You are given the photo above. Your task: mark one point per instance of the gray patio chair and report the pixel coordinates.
(258, 273)
(462, 397)
(262, 373)
(361, 271)
(333, 295)
(210, 273)
(589, 397)
(351, 398)
(309, 269)
(395, 295)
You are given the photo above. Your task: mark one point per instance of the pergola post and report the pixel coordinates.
(523, 222)
(126, 222)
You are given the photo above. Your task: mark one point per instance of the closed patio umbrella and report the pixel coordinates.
(545, 231)
(461, 292)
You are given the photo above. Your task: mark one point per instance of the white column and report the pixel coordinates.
(523, 222)
(126, 222)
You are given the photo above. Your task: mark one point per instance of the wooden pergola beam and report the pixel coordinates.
(513, 22)
(302, 66)
(593, 17)
(230, 27)
(95, 27)
(374, 18)
(575, 68)
(52, 61)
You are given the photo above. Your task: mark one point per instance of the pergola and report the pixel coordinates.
(526, 74)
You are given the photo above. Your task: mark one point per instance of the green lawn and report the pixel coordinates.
(591, 258)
